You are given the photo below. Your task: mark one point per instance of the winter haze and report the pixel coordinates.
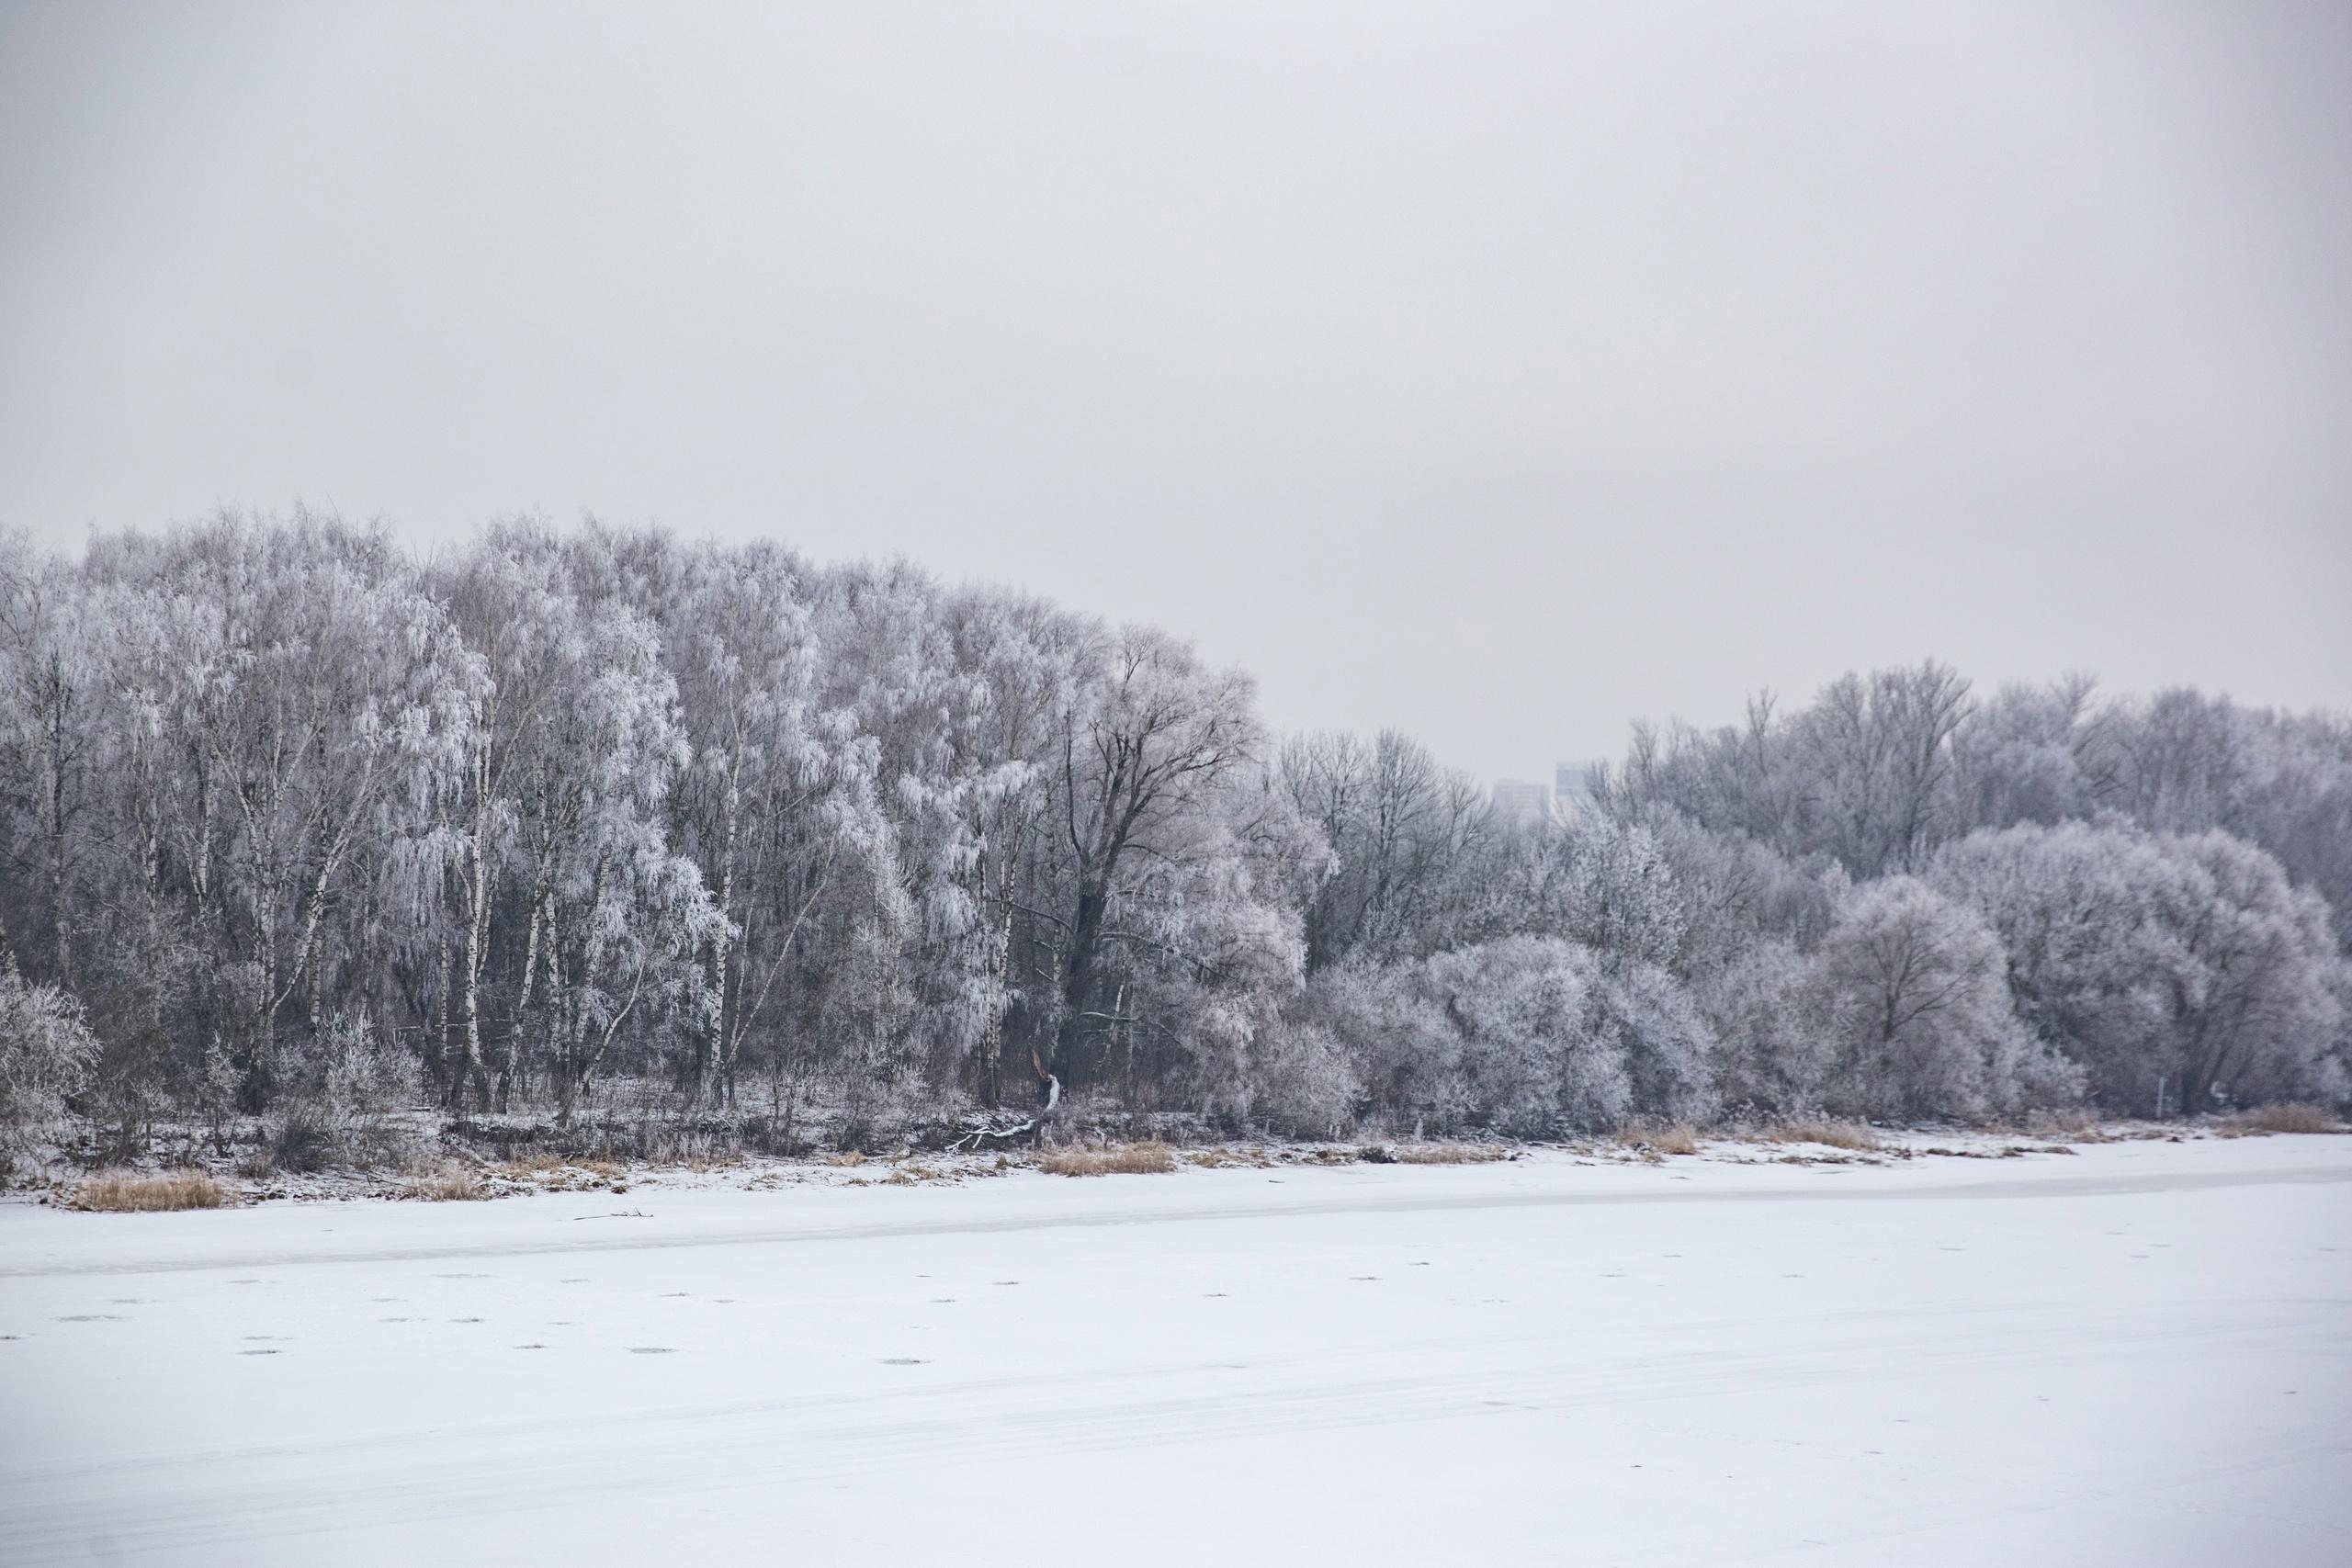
(777, 784)
(1498, 373)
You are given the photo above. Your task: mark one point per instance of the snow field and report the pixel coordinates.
(2140, 1354)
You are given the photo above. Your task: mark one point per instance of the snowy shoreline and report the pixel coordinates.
(835, 1204)
(493, 1179)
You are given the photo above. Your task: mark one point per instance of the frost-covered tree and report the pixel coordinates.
(2259, 1014)
(1736, 894)
(1877, 756)
(1404, 1046)
(2183, 761)
(1604, 885)
(277, 706)
(1771, 1055)
(2032, 754)
(1304, 1080)
(1143, 751)
(1910, 989)
(2175, 970)
(1403, 834)
(591, 821)
(1537, 1053)
(51, 673)
(1867, 773)
(2089, 922)
(759, 806)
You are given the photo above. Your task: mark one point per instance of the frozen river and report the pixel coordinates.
(2141, 1355)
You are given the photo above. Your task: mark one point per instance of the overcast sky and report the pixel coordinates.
(1501, 373)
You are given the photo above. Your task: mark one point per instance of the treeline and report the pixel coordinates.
(602, 821)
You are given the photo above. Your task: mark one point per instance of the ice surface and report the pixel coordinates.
(2141, 1355)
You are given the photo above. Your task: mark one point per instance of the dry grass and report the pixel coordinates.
(451, 1184)
(1669, 1138)
(1826, 1131)
(552, 1173)
(1220, 1158)
(126, 1193)
(1999, 1151)
(2074, 1126)
(2278, 1118)
(1125, 1159)
(1449, 1154)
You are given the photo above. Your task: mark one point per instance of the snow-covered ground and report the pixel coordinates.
(2139, 1355)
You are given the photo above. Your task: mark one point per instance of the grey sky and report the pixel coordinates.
(1499, 373)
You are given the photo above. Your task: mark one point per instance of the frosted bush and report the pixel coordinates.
(47, 1054)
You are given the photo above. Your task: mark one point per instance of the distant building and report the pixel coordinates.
(1516, 800)
(1572, 786)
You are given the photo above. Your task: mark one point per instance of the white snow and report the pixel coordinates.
(2141, 1355)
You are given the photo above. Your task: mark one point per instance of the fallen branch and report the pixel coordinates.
(972, 1139)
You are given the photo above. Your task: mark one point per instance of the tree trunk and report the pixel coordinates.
(477, 944)
(1085, 939)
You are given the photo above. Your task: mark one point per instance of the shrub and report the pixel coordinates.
(1125, 1159)
(46, 1054)
(303, 1143)
(1304, 1081)
(346, 1089)
(123, 1192)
